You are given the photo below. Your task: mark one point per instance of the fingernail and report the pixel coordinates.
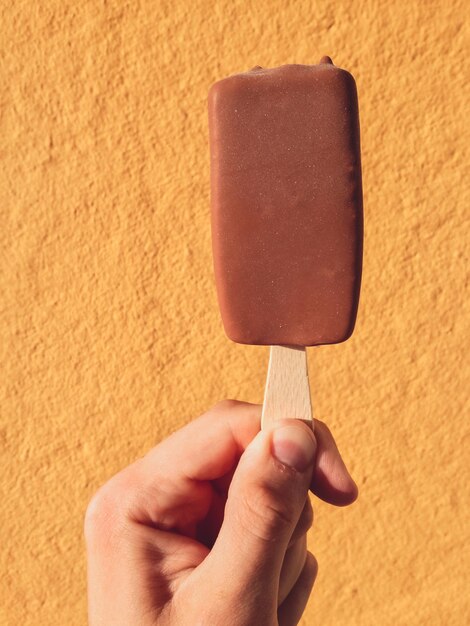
(294, 447)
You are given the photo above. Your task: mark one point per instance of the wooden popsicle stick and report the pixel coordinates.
(287, 392)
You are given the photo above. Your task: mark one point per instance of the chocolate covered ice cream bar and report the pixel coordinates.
(287, 222)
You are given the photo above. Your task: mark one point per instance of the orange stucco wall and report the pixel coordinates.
(110, 333)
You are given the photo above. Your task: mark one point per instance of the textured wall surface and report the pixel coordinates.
(110, 333)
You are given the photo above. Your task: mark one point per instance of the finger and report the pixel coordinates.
(265, 501)
(294, 561)
(331, 480)
(291, 610)
(168, 488)
(209, 528)
(206, 448)
(304, 524)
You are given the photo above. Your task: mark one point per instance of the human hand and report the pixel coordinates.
(209, 528)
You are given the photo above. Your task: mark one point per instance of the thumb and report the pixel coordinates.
(266, 497)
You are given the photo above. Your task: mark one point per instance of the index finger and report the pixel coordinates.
(208, 447)
(172, 482)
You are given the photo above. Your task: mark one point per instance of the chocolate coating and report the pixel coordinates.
(287, 204)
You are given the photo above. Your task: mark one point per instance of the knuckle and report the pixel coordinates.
(310, 568)
(225, 405)
(304, 524)
(265, 517)
(103, 513)
(306, 518)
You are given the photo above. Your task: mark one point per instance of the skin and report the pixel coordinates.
(209, 528)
